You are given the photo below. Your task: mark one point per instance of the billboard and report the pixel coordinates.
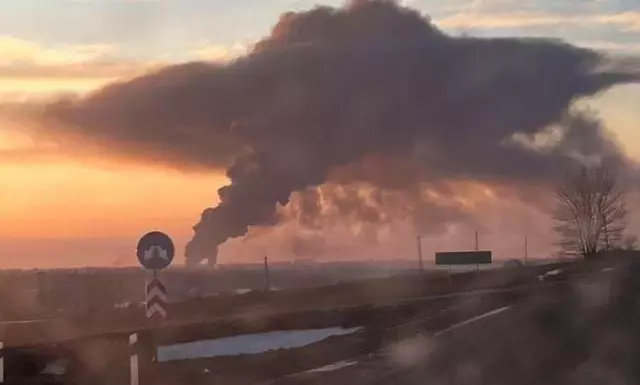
(463, 258)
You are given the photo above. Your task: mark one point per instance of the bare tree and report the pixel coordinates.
(591, 211)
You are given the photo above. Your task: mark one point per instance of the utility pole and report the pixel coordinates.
(420, 262)
(477, 249)
(526, 250)
(266, 273)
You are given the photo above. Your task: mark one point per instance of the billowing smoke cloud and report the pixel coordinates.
(331, 87)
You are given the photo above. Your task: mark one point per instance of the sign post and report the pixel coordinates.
(463, 258)
(155, 252)
(420, 262)
(155, 298)
(266, 274)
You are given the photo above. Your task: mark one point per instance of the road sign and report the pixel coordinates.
(155, 250)
(156, 298)
(463, 258)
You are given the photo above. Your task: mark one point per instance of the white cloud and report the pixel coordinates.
(611, 46)
(14, 51)
(219, 53)
(29, 68)
(543, 141)
(119, 1)
(629, 21)
(480, 5)
(505, 20)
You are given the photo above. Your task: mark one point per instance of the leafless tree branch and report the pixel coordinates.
(591, 211)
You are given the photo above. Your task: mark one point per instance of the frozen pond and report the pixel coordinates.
(247, 343)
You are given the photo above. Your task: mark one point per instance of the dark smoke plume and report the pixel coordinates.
(329, 87)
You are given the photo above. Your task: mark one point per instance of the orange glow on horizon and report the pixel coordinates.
(72, 200)
(47, 86)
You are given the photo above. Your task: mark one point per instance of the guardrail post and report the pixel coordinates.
(3, 376)
(142, 353)
(1, 362)
(134, 363)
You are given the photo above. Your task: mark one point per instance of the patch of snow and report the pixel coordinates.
(248, 343)
(549, 274)
(123, 305)
(471, 320)
(56, 368)
(247, 290)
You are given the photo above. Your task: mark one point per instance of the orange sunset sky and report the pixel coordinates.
(63, 208)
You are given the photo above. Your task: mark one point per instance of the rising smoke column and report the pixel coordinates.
(369, 79)
(329, 87)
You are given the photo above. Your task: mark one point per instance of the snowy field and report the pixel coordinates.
(248, 344)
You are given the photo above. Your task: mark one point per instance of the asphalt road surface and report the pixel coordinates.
(384, 366)
(581, 333)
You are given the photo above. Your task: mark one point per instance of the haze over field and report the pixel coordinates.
(344, 132)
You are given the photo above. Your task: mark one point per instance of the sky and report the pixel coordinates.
(78, 207)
